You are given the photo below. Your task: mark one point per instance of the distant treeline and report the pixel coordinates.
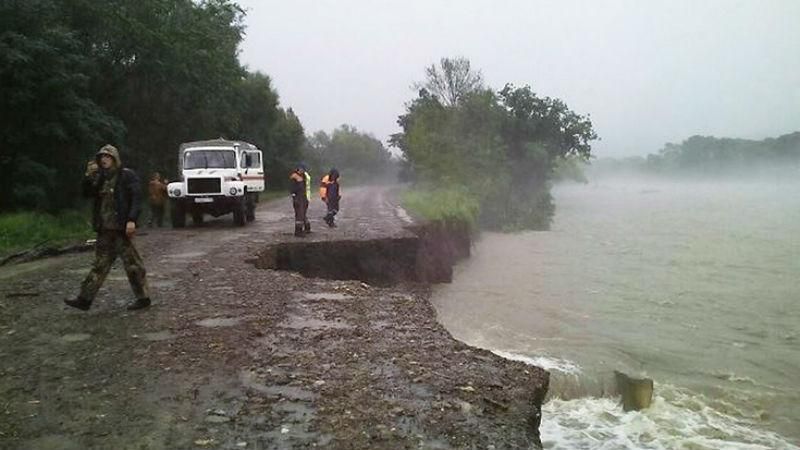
(468, 144)
(711, 156)
(144, 75)
(360, 156)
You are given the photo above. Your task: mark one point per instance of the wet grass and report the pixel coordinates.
(26, 230)
(446, 205)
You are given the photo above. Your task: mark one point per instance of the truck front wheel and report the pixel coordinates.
(178, 214)
(197, 218)
(239, 212)
(250, 207)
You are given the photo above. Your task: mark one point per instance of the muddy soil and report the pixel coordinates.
(232, 356)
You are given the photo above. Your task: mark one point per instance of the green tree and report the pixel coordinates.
(358, 155)
(451, 81)
(144, 75)
(47, 114)
(501, 146)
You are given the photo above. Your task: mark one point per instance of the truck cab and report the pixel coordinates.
(217, 177)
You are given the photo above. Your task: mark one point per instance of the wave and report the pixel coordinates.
(589, 416)
(545, 362)
(734, 378)
(600, 423)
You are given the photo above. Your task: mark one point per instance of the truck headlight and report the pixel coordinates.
(233, 191)
(176, 192)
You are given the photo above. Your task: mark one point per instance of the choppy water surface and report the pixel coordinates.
(696, 286)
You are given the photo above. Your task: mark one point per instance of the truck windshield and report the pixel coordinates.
(207, 159)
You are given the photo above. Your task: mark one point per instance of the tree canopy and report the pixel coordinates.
(452, 80)
(358, 156)
(709, 157)
(501, 146)
(144, 75)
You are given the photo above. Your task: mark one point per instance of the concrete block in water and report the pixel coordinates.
(637, 393)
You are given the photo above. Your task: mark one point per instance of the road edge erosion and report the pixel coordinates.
(425, 254)
(501, 399)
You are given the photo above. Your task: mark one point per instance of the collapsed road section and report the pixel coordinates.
(426, 254)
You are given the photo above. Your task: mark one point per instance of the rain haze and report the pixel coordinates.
(648, 73)
(661, 276)
(277, 279)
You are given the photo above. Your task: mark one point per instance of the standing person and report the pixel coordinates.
(157, 198)
(299, 189)
(332, 196)
(307, 177)
(117, 194)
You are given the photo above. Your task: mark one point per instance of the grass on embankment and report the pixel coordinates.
(444, 205)
(26, 230)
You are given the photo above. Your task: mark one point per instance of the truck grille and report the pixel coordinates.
(204, 186)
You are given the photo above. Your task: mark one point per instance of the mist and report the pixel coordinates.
(648, 72)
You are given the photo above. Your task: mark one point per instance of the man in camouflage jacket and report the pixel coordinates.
(117, 196)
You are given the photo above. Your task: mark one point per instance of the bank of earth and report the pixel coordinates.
(236, 355)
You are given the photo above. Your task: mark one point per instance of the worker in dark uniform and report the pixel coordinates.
(299, 189)
(157, 198)
(332, 196)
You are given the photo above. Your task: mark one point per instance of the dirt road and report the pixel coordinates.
(231, 356)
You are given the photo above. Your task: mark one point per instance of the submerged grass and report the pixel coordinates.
(26, 230)
(446, 205)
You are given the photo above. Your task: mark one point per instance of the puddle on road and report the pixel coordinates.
(162, 284)
(326, 296)
(222, 289)
(75, 337)
(53, 442)
(298, 323)
(158, 336)
(219, 322)
(271, 216)
(295, 411)
(249, 380)
(187, 255)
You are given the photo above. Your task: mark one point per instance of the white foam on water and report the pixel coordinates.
(678, 420)
(730, 376)
(545, 362)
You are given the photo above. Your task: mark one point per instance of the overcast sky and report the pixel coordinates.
(648, 72)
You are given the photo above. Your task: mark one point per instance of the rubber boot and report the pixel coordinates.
(307, 227)
(140, 303)
(298, 231)
(79, 303)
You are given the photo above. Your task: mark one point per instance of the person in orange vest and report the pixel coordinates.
(331, 194)
(157, 198)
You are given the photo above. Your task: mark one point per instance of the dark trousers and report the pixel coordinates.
(110, 245)
(333, 208)
(156, 215)
(301, 223)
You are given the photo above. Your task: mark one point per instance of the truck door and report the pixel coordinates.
(253, 170)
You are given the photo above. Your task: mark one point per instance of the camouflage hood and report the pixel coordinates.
(111, 151)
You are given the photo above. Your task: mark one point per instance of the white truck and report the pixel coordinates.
(217, 177)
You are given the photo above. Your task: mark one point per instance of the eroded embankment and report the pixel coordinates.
(426, 256)
(500, 399)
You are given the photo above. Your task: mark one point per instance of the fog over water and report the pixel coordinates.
(648, 72)
(691, 284)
